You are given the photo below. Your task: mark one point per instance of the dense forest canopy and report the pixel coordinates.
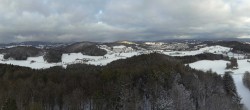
(145, 82)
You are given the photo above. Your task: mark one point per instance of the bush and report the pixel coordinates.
(233, 64)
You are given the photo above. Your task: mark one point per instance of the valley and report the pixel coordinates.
(196, 55)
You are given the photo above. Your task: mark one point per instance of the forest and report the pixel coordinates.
(145, 82)
(52, 54)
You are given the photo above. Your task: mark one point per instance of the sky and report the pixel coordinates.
(112, 20)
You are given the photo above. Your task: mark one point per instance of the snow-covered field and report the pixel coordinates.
(32, 62)
(68, 59)
(211, 49)
(95, 60)
(219, 66)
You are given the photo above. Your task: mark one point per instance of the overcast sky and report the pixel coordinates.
(111, 20)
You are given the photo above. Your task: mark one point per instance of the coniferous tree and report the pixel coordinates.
(233, 64)
(230, 87)
(246, 79)
(229, 83)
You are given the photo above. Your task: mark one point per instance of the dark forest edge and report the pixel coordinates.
(152, 82)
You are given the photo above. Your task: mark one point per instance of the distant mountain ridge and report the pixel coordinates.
(203, 39)
(31, 43)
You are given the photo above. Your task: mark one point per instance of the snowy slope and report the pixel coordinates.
(113, 57)
(95, 60)
(72, 57)
(219, 67)
(68, 59)
(211, 49)
(32, 62)
(215, 49)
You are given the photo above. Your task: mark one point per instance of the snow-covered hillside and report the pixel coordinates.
(113, 53)
(211, 49)
(219, 66)
(73, 58)
(32, 62)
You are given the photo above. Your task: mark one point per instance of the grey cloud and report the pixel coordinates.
(64, 20)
